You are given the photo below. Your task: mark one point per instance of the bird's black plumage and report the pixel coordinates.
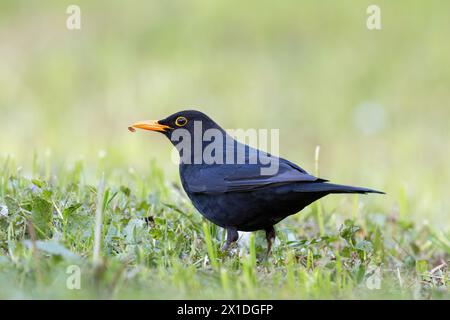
(237, 196)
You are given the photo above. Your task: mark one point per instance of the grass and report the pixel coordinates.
(152, 244)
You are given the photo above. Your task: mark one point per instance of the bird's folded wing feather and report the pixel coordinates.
(243, 177)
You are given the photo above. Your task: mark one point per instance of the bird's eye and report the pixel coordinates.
(181, 121)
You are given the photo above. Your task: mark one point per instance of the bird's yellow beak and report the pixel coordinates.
(152, 125)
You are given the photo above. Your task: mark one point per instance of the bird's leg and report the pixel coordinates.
(270, 236)
(232, 236)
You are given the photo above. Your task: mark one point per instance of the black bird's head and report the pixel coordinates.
(200, 140)
(187, 126)
(179, 120)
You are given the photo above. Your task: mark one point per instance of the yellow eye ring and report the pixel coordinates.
(181, 121)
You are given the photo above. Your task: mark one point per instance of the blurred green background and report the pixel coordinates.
(377, 102)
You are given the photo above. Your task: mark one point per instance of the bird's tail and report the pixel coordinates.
(332, 188)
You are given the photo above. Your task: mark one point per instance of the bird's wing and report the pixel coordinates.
(242, 177)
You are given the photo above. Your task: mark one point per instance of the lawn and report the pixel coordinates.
(81, 198)
(154, 245)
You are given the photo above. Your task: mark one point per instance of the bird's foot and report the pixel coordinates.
(227, 247)
(270, 237)
(232, 237)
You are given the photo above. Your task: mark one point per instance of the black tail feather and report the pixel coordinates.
(332, 188)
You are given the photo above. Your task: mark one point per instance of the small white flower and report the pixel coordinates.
(3, 211)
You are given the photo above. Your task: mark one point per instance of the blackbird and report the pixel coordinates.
(226, 181)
